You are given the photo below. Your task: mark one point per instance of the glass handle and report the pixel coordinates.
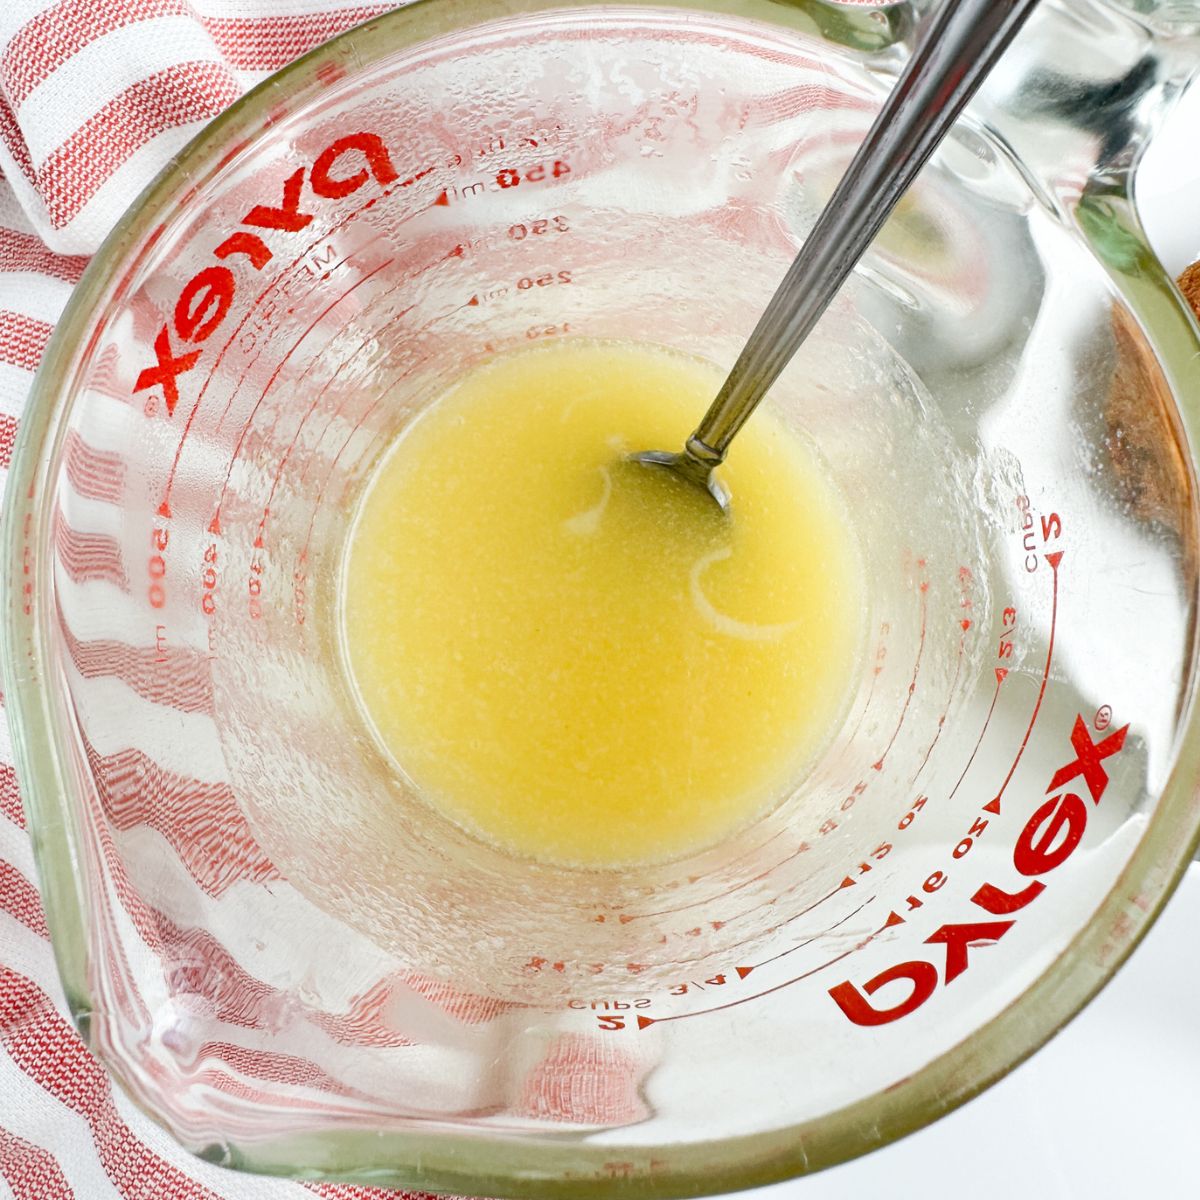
(1085, 86)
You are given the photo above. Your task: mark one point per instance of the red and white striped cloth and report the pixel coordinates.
(95, 97)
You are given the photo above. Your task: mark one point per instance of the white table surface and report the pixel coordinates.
(1110, 1109)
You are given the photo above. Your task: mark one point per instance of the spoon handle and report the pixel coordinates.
(961, 45)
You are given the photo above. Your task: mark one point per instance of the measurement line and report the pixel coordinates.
(846, 882)
(744, 971)
(284, 275)
(311, 409)
(337, 412)
(645, 1022)
(402, 283)
(912, 687)
(304, 420)
(756, 909)
(758, 850)
(165, 506)
(626, 918)
(816, 937)
(269, 435)
(303, 552)
(862, 716)
(1001, 675)
(1054, 559)
(275, 375)
(962, 644)
(253, 362)
(341, 450)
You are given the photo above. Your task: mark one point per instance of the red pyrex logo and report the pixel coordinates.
(207, 297)
(1048, 839)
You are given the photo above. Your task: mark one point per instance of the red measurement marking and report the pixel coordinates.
(753, 911)
(912, 687)
(284, 275)
(645, 1022)
(303, 553)
(757, 850)
(164, 509)
(703, 958)
(962, 644)
(625, 918)
(847, 882)
(398, 286)
(1054, 558)
(257, 354)
(800, 945)
(341, 450)
(1001, 675)
(308, 413)
(275, 375)
(862, 716)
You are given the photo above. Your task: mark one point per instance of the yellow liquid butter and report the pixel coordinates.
(583, 660)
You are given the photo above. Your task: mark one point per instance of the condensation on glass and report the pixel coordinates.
(287, 957)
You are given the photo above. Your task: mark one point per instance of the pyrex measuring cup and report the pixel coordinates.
(287, 957)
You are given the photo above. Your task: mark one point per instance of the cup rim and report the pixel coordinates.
(529, 1167)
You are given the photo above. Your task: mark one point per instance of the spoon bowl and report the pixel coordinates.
(696, 463)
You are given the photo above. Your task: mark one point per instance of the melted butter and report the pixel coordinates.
(582, 660)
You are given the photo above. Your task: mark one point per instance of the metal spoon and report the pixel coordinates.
(960, 46)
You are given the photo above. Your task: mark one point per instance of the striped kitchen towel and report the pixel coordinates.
(95, 98)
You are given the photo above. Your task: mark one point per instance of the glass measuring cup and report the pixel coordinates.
(280, 951)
